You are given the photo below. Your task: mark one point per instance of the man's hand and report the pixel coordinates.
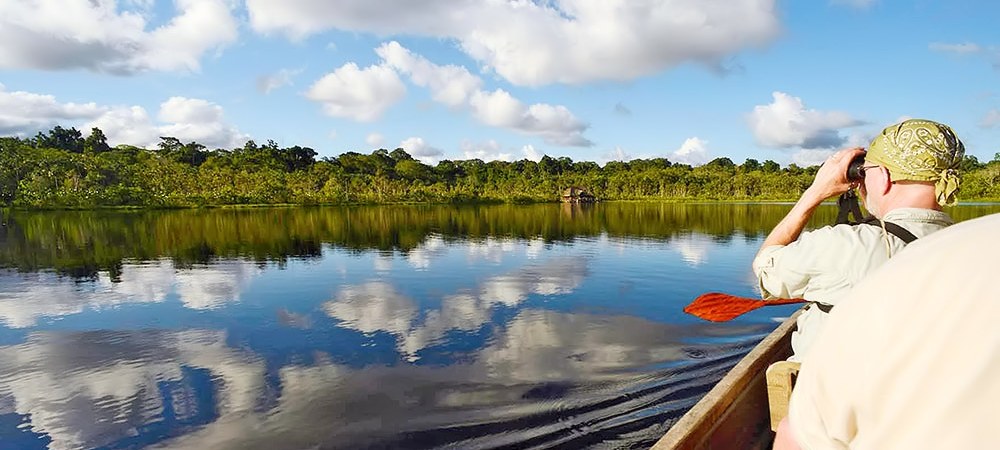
(831, 179)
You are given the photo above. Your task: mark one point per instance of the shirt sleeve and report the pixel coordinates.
(783, 270)
(789, 271)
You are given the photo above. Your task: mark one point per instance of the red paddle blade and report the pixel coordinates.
(719, 307)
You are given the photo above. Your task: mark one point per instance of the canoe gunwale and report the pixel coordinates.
(719, 419)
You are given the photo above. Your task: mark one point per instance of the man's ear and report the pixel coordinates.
(884, 182)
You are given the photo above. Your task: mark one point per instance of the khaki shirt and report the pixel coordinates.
(823, 264)
(910, 358)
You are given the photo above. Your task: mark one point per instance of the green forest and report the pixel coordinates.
(62, 169)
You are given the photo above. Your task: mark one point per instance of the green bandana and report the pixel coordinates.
(921, 150)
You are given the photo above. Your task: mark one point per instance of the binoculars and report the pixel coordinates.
(854, 172)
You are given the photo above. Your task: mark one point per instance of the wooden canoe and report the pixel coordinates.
(734, 414)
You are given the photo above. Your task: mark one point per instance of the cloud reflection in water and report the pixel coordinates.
(27, 297)
(378, 306)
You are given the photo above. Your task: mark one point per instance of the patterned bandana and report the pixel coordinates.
(921, 150)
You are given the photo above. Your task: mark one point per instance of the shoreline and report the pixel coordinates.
(975, 202)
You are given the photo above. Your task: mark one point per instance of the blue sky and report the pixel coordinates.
(596, 80)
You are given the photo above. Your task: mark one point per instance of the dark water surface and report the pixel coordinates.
(543, 326)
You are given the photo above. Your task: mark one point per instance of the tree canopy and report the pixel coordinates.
(62, 169)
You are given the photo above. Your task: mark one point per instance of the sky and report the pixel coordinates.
(592, 80)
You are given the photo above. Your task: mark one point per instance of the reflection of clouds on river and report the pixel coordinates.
(588, 359)
(212, 286)
(491, 249)
(693, 247)
(541, 345)
(90, 389)
(421, 256)
(27, 297)
(371, 307)
(383, 262)
(534, 248)
(144, 282)
(377, 306)
(554, 277)
(102, 388)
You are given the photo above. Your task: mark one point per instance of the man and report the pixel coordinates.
(908, 174)
(911, 359)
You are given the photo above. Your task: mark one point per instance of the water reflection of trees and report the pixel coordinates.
(83, 243)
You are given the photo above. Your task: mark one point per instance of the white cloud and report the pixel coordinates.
(187, 119)
(556, 125)
(786, 123)
(618, 154)
(140, 5)
(281, 78)
(451, 85)
(693, 151)
(532, 154)
(860, 138)
(419, 149)
(455, 87)
(202, 25)
(25, 113)
(101, 37)
(991, 119)
(486, 151)
(375, 140)
(807, 157)
(353, 93)
(964, 48)
(859, 4)
(991, 53)
(536, 43)
(192, 119)
(127, 125)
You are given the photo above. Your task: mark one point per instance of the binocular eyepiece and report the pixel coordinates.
(854, 172)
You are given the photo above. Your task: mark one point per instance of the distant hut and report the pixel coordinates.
(576, 194)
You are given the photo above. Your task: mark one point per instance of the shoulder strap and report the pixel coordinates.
(895, 229)
(892, 228)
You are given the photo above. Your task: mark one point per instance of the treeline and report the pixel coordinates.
(62, 169)
(83, 243)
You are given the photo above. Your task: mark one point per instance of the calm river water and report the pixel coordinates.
(542, 326)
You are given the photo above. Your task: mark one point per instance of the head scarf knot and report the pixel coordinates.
(946, 187)
(921, 150)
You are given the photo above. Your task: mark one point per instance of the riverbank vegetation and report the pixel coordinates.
(62, 169)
